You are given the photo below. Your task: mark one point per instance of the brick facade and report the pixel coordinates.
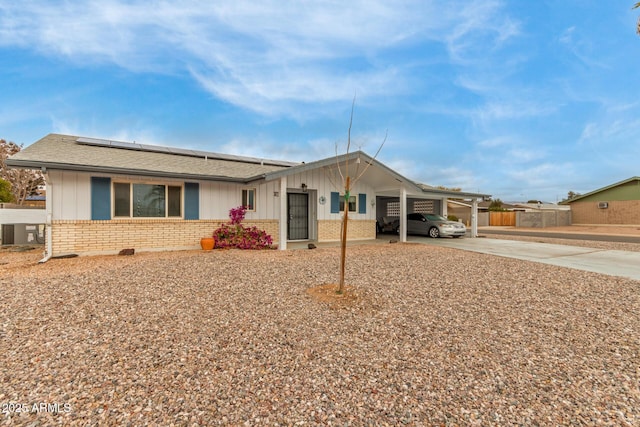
(87, 237)
(619, 212)
(108, 237)
(329, 230)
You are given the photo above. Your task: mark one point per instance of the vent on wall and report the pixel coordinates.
(603, 205)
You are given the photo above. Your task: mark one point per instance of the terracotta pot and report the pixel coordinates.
(207, 243)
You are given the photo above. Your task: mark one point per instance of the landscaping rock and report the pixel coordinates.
(433, 336)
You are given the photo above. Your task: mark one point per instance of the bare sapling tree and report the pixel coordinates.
(347, 182)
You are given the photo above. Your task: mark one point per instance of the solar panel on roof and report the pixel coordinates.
(183, 151)
(154, 148)
(126, 145)
(202, 153)
(92, 141)
(178, 151)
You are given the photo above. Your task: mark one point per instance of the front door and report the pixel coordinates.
(298, 216)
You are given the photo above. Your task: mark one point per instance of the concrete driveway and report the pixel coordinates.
(613, 263)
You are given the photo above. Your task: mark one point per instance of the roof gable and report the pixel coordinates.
(628, 189)
(383, 179)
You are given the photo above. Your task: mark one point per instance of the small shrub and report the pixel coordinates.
(452, 218)
(234, 235)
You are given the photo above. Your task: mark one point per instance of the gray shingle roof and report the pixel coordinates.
(67, 152)
(73, 153)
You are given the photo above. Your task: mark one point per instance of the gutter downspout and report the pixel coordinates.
(49, 208)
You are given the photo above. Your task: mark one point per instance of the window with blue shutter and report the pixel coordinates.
(100, 198)
(362, 203)
(335, 202)
(191, 200)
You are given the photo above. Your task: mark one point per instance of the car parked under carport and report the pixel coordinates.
(431, 225)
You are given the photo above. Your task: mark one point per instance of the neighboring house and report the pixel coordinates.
(104, 196)
(617, 203)
(38, 201)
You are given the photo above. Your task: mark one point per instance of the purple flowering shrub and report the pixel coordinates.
(236, 215)
(235, 235)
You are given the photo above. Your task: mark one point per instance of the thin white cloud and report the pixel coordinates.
(580, 47)
(456, 177)
(134, 133)
(494, 142)
(511, 109)
(270, 57)
(483, 27)
(616, 125)
(545, 181)
(611, 141)
(540, 175)
(525, 155)
(278, 150)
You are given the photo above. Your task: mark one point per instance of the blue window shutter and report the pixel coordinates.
(100, 198)
(362, 203)
(191, 200)
(335, 202)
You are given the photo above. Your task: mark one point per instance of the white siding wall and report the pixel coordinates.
(217, 198)
(71, 196)
(317, 180)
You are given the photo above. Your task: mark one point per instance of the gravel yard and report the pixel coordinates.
(434, 336)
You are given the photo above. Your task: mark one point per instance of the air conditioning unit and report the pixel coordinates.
(603, 205)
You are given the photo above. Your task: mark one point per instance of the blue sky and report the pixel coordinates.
(518, 99)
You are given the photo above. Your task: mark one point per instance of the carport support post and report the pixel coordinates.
(282, 244)
(474, 218)
(403, 215)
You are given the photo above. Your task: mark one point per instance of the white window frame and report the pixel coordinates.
(131, 202)
(246, 198)
(355, 203)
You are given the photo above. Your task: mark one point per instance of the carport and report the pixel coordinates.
(397, 196)
(411, 197)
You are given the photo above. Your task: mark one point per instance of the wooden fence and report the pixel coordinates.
(502, 219)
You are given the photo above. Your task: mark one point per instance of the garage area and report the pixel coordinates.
(395, 213)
